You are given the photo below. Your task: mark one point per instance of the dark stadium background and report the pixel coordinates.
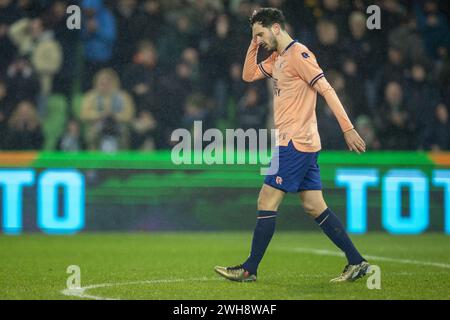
(164, 64)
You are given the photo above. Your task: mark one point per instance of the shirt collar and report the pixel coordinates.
(289, 45)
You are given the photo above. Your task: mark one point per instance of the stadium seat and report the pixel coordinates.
(76, 105)
(55, 120)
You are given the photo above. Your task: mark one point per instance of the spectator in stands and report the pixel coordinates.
(239, 21)
(21, 81)
(56, 17)
(333, 10)
(364, 125)
(30, 8)
(202, 14)
(154, 19)
(5, 111)
(440, 139)
(140, 78)
(329, 50)
(131, 23)
(422, 99)
(174, 39)
(195, 110)
(393, 12)
(143, 131)
(238, 88)
(362, 58)
(360, 47)
(216, 61)
(175, 87)
(394, 69)
(395, 120)
(107, 112)
(434, 27)
(99, 36)
(444, 80)
(252, 109)
(35, 40)
(406, 36)
(72, 138)
(355, 84)
(24, 128)
(190, 56)
(8, 15)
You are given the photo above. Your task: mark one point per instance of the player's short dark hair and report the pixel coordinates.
(267, 17)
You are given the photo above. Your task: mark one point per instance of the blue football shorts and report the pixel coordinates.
(297, 170)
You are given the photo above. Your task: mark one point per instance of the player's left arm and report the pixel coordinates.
(352, 138)
(309, 71)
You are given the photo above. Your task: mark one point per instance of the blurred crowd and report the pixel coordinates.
(146, 67)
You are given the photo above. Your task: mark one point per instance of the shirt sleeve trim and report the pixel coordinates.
(264, 71)
(315, 79)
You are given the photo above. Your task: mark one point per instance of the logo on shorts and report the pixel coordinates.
(278, 180)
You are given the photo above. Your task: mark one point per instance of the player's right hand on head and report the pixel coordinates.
(256, 40)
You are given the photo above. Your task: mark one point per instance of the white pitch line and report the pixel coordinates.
(81, 292)
(340, 254)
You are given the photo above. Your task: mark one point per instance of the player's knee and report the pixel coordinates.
(311, 209)
(308, 208)
(265, 202)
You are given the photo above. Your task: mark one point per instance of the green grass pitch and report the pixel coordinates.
(180, 266)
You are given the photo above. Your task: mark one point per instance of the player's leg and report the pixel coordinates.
(268, 201)
(315, 206)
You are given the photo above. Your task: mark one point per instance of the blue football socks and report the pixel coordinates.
(333, 228)
(265, 227)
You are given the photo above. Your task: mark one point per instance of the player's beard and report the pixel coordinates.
(273, 43)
